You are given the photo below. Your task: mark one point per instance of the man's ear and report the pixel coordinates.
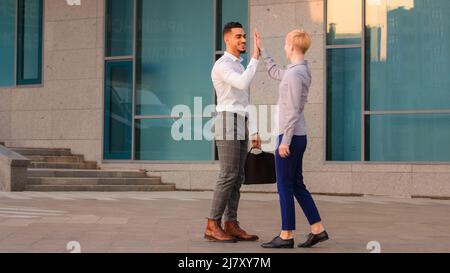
(226, 38)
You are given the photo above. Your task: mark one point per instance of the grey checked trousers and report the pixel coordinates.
(232, 156)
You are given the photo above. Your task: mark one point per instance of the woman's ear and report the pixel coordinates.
(292, 48)
(289, 50)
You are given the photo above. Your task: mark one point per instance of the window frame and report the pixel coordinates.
(135, 117)
(325, 110)
(127, 63)
(365, 114)
(20, 47)
(17, 82)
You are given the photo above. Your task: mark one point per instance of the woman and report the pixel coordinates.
(292, 140)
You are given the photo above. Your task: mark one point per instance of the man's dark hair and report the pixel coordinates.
(228, 26)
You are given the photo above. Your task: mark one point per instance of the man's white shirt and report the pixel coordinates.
(232, 81)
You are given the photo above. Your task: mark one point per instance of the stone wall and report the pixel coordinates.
(66, 110)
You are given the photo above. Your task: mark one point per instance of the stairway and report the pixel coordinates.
(60, 170)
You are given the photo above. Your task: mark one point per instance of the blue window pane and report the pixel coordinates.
(344, 104)
(344, 22)
(29, 44)
(7, 42)
(408, 56)
(118, 109)
(420, 137)
(119, 27)
(155, 140)
(175, 55)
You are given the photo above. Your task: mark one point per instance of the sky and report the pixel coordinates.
(347, 14)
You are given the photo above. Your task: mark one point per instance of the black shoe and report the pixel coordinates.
(314, 239)
(278, 242)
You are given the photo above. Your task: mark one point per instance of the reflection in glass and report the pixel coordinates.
(420, 137)
(154, 140)
(344, 22)
(118, 109)
(29, 41)
(119, 28)
(344, 104)
(7, 42)
(407, 55)
(174, 55)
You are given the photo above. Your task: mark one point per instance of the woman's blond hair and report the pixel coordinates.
(300, 39)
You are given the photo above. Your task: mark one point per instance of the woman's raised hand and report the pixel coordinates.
(256, 51)
(257, 40)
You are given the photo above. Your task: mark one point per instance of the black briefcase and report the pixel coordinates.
(260, 169)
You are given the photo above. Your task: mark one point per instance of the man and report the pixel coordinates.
(231, 82)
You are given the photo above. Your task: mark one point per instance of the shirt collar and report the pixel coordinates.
(234, 58)
(304, 62)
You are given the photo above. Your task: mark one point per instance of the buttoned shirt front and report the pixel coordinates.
(231, 81)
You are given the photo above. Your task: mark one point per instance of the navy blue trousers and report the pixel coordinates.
(290, 184)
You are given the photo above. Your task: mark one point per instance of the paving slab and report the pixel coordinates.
(168, 222)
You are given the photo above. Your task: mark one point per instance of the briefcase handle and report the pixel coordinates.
(253, 148)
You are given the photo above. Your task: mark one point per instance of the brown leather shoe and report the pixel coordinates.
(214, 232)
(232, 228)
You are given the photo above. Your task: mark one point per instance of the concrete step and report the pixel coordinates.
(100, 188)
(56, 159)
(42, 151)
(85, 173)
(84, 181)
(56, 165)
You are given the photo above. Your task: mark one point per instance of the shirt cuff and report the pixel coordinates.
(264, 53)
(253, 61)
(286, 140)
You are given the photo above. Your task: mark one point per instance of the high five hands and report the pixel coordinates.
(257, 40)
(283, 149)
(256, 45)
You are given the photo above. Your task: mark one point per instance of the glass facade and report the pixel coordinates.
(175, 48)
(344, 80)
(118, 109)
(20, 42)
(344, 22)
(408, 56)
(8, 13)
(154, 137)
(406, 104)
(119, 27)
(412, 137)
(173, 65)
(174, 55)
(29, 42)
(344, 104)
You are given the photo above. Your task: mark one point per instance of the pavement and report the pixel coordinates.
(173, 222)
